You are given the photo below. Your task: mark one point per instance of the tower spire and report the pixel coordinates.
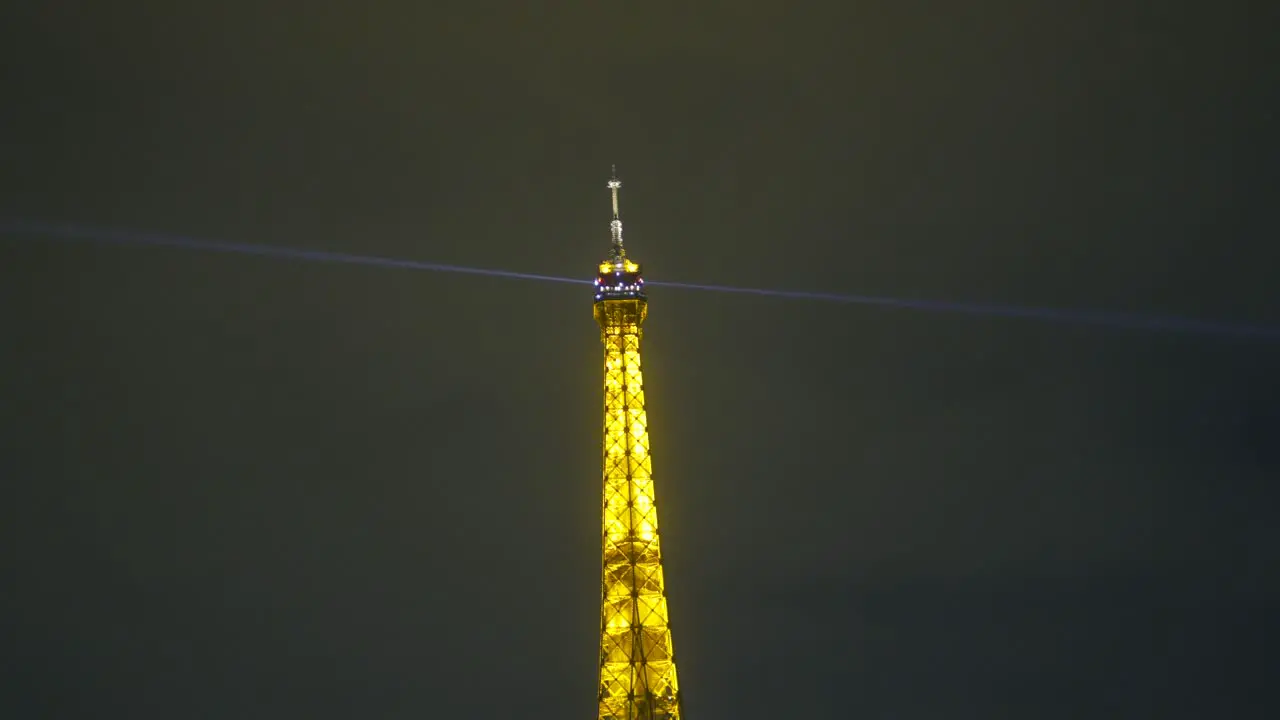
(616, 253)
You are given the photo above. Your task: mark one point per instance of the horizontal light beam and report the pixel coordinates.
(1083, 317)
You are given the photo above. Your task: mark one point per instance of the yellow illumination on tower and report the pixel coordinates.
(637, 664)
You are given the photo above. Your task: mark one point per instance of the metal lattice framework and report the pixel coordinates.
(637, 663)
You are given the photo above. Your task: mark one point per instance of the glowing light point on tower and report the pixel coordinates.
(637, 662)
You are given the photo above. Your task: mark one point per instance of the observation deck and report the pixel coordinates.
(619, 280)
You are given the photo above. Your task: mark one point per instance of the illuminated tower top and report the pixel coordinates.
(637, 661)
(618, 278)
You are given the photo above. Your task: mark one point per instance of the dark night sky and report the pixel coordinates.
(240, 487)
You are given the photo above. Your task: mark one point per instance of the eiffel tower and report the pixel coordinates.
(637, 663)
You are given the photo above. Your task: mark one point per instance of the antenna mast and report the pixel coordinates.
(616, 253)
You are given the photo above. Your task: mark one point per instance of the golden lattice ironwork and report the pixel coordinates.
(637, 664)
